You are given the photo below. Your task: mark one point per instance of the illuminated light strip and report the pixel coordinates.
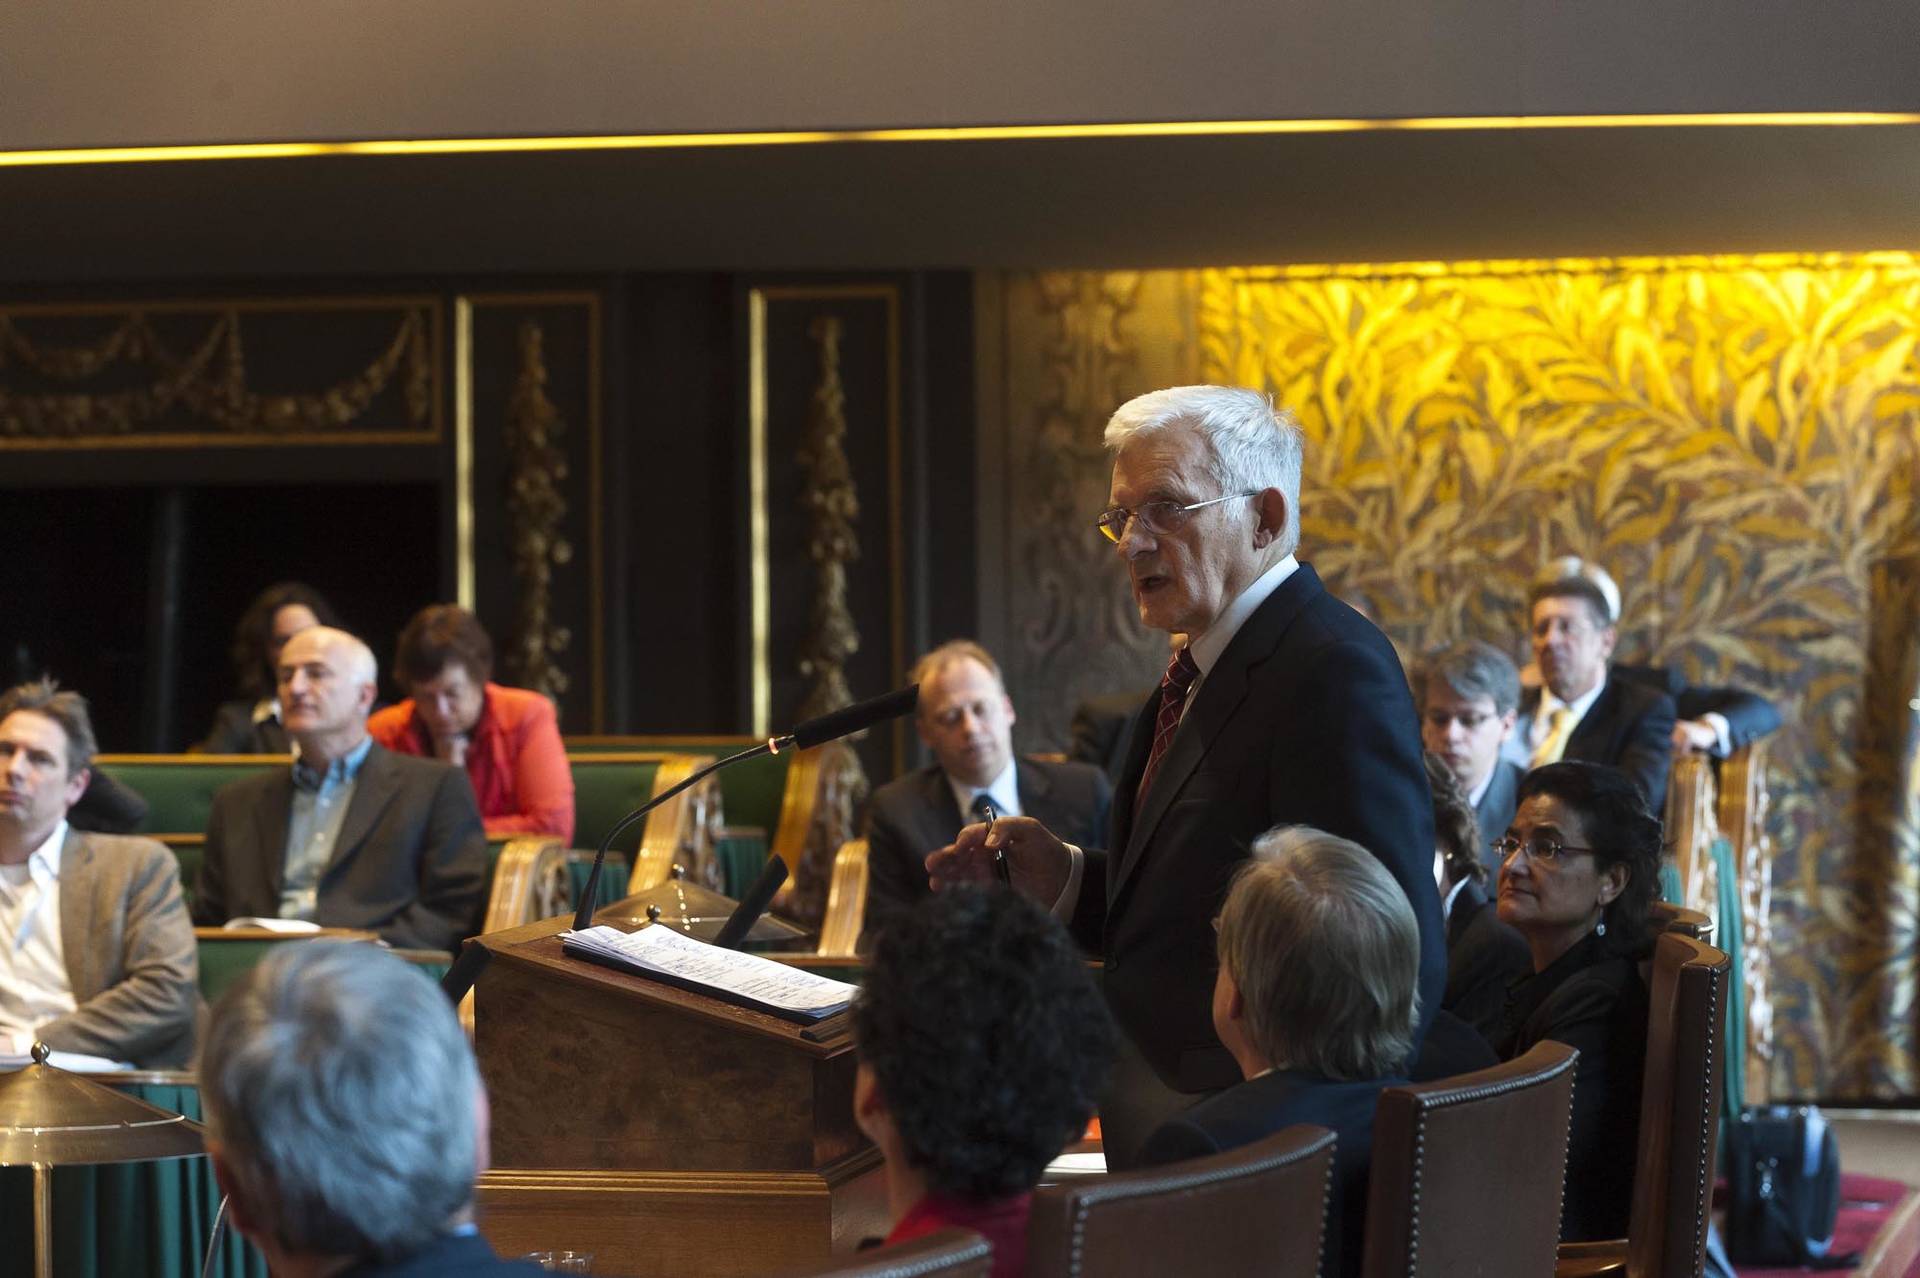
(967, 133)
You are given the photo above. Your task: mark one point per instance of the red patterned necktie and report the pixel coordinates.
(1181, 672)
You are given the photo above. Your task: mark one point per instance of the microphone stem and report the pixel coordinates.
(583, 917)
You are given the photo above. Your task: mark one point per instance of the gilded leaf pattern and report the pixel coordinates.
(1735, 440)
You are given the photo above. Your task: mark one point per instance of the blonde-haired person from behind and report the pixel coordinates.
(1317, 1000)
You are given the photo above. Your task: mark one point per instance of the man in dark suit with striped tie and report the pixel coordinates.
(1284, 707)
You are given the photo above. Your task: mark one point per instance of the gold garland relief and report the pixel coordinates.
(205, 387)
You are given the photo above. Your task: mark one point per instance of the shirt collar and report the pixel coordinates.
(339, 772)
(45, 859)
(1446, 903)
(1003, 792)
(1579, 705)
(1208, 647)
(266, 710)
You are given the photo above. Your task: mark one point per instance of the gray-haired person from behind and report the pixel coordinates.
(345, 1117)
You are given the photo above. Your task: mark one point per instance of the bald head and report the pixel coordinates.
(327, 681)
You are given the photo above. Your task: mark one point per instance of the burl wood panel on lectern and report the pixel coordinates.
(662, 1130)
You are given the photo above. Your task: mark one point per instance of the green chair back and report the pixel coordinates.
(179, 788)
(604, 790)
(189, 852)
(750, 792)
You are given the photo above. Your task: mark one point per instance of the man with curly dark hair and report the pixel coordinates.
(982, 1043)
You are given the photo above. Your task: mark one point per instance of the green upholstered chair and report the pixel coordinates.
(228, 954)
(751, 795)
(609, 784)
(179, 788)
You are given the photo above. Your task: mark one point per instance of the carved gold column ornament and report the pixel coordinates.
(536, 509)
(832, 508)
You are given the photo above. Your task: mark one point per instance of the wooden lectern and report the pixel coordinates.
(664, 1131)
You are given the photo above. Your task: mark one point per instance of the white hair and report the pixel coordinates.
(1574, 568)
(1251, 443)
(341, 1088)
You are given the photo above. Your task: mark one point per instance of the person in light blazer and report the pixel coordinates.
(97, 955)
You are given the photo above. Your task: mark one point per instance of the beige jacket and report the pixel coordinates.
(130, 953)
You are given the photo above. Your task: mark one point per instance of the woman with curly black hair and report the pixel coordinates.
(1579, 872)
(250, 724)
(982, 1044)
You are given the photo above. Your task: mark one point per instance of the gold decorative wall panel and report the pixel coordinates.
(1734, 438)
(186, 374)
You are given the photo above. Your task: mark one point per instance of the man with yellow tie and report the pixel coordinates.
(1580, 713)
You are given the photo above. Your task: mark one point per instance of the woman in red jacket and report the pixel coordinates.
(507, 739)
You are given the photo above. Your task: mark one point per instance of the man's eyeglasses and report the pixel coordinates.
(1542, 849)
(1159, 517)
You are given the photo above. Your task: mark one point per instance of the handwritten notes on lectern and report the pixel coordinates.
(743, 979)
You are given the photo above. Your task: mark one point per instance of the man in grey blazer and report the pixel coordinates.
(351, 835)
(96, 951)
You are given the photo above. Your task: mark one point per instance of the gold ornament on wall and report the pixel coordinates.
(536, 513)
(181, 396)
(832, 507)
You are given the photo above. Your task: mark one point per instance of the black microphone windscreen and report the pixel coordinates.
(861, 714)
(465, 971)
(752, 905)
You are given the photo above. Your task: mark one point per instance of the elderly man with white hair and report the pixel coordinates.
(1283, 706)
(345, 1118)
(351, 835)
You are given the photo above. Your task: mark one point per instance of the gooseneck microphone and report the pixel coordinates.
(815, 731)
(733, 933)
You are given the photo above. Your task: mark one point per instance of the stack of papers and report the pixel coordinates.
(745, 980)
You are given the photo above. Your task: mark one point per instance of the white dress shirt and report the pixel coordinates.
(1003, 792)
(34, 988)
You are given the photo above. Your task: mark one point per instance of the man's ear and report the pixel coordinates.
(1270, 509)
(240, 1212)
(77, 785)
(1236, 1005)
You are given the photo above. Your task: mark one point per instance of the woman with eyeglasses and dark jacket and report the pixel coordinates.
(1578, 876)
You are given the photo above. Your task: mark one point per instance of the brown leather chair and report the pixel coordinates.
(1260, 1209)
(1679, 1121)
(956, 1253)
(1446, 1151)
(1668, 917)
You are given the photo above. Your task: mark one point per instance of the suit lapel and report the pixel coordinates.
(1139, 745)
(1214, 705)
(373, 789)
(1589, 735)
(76, 914)
(270, 817)
(1036, 791)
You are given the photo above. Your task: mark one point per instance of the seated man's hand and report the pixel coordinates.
(1692, 736)
(1039, 861)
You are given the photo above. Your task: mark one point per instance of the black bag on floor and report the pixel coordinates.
(1783, 1182)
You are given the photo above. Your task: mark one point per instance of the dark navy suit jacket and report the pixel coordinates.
(1305, 719)
(1264, 1105)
